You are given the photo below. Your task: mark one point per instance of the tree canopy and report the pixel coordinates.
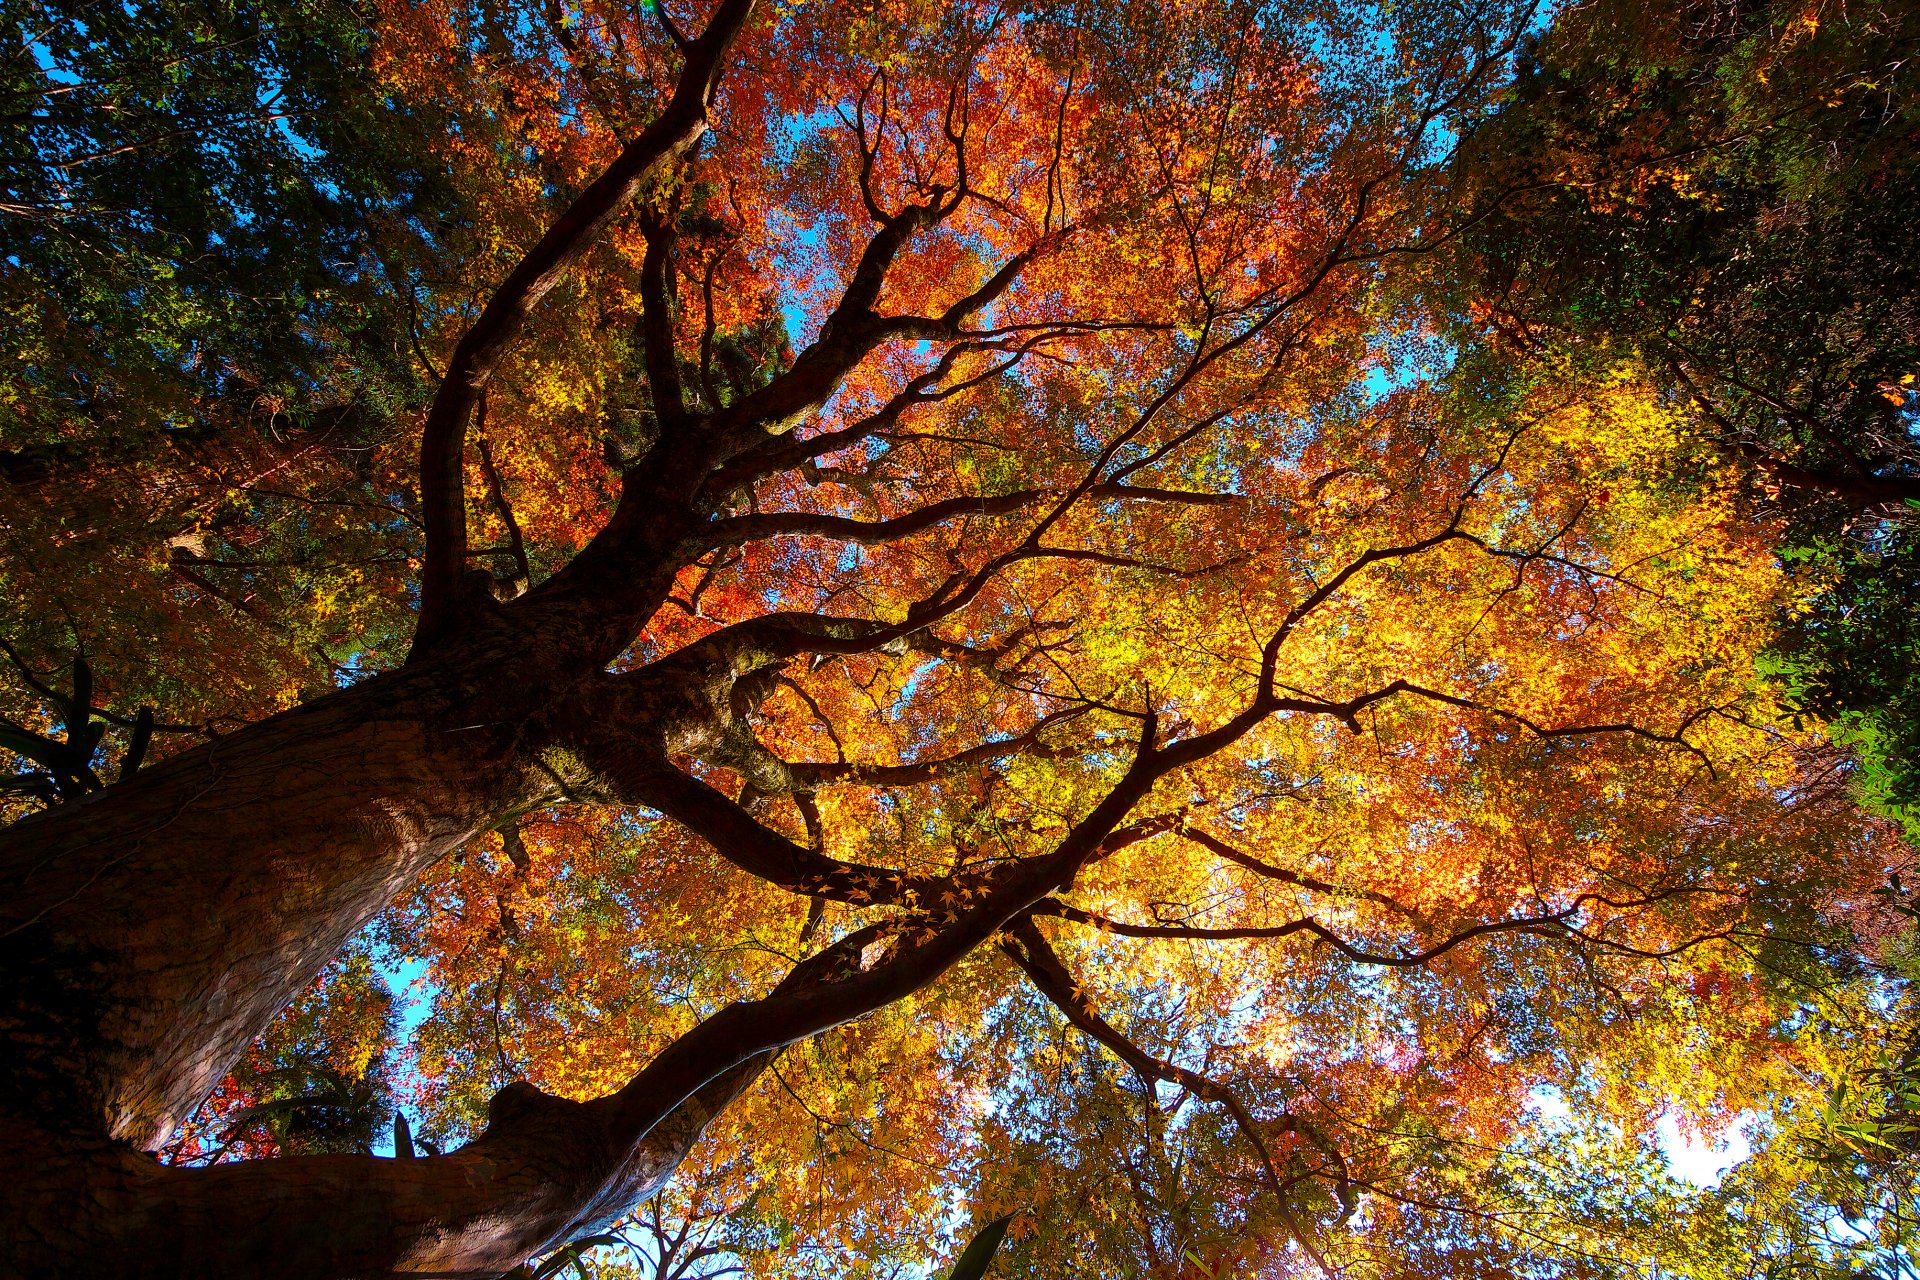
(1242, 630)
(1718, 199)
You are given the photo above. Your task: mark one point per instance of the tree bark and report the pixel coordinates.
(545, 1171)
(149, 932)
(153, 935)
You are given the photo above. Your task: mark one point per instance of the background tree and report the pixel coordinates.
(1716, 197)
(223, 247)
(966, 579)
(1711, 201)
(319, 1080)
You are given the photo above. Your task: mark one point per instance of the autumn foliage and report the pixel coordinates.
(943, 583)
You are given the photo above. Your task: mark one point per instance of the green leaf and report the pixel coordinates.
(973, 1262)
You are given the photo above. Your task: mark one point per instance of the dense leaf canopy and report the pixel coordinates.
(1315, 496)
(1720, 199)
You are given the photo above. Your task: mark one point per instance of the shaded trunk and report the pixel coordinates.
(148, 933)
(545, 1171)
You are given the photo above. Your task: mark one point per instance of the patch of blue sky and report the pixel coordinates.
(413, 995)
(50, 66)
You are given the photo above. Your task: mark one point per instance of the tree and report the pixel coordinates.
(222, 250)
(318, 1080)
(1716, 198)
(1090, 602)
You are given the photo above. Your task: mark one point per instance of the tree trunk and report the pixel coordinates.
(149, 932)
(546, 1171)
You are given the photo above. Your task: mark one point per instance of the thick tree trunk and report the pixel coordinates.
(545, 1171)
(149, 932)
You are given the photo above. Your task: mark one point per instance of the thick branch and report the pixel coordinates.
(854, 329)
(656, 321)
(776, 524)
(544, 1172)
(480, 350)
(924, 944)
(742, 839)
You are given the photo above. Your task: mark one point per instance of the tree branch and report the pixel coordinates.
(744, 840)
(1028, 949)
(485, 344)
(854, 329)
(1220, 848)
(659, 350)
(776, 524)
(1554, 925)
(516, 544)
(921, 771)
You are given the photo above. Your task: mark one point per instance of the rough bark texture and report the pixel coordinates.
(151, 930)
(149, 933)
(545, 1171)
